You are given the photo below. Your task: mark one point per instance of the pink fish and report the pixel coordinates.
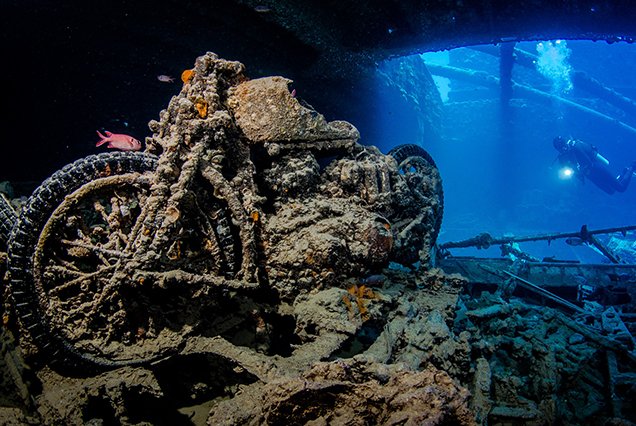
(165, 79)
(119, 141)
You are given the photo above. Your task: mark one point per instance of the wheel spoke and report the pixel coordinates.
(94, 248)
(80, 279)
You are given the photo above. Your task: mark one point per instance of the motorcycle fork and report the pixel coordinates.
(156, 225)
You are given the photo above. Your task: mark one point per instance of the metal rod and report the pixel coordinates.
(530, 286)
(580, 79)
(483, 78)
(485, 240)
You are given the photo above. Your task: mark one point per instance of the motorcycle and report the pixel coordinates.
(243, 201)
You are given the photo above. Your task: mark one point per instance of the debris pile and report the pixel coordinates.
(533, 365)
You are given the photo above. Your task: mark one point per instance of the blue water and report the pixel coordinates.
(504, 179)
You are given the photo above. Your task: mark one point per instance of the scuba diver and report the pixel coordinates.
(584, 160)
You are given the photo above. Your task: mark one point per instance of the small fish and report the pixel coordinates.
(165, 78)
(574, 241)
(262, 9)
(119, 141)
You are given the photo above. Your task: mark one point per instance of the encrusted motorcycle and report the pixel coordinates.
(244, 201)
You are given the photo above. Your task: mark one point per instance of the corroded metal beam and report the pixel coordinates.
(485, 240)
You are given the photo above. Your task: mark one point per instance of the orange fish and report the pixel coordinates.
(119, 141)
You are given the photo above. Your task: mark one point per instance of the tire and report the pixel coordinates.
(402, 153)
(8, 218)
(23, 245)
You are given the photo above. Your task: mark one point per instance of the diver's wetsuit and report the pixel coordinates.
(587, 162)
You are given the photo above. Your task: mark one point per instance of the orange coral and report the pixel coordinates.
(347, 301)
(202, 107)
(359, 295)
(187, 75)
